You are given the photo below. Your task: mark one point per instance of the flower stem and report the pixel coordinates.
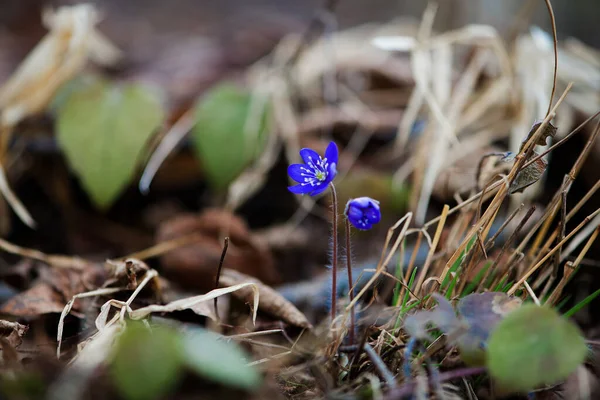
(350, 281)
(335, 251)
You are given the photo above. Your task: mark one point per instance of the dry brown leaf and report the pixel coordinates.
(194, 266)
(271, 301)
(51, 292)
(40, 299)
(12, 332)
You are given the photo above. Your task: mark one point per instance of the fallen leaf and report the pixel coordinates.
(195, 266)
(103, 129)
(270, 300)
(50, 293)
(40, 299)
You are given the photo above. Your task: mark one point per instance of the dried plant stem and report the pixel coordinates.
(490, 243)
(436, 239)
(572, 267)
(524, 153)
(554, 204)
(223, 253)
(411, 264)
(506, 246)
(350, 282)
(384, 260)
(334, 259)
(587, 219)
(555, 43)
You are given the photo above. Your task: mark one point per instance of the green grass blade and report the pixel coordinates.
(472, 285)
(582, 304)
(454, 268)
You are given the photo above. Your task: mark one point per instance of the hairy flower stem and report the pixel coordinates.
(350, 281)
(335, 251)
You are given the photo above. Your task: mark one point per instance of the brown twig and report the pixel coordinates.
(223, 253)
(555, 44)
(350, 282)
(506, 246)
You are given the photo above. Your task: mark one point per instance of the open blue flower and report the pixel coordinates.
(316, 173)
(363, 212)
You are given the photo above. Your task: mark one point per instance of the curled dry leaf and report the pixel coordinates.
(199, 305)
(12, 332)
(270, 300)
(528, 175)
(125, 273)
(194, 266)
(549, 131)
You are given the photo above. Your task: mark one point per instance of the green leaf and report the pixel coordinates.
(534, 346)
(102, 130)
(147, 363)
(228, 134)
(220, 361)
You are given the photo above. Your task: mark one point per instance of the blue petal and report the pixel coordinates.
(362, 225)
(307, 154)
(295, 172)
(373, 215)
(320, 188)
(366, 226)
(332, 172)
(331, 153)
(361, 202)
(353, 213)
(300, 189)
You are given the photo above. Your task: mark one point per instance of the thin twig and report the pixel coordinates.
(506, 245)
(555, 44)
(335, 251)
(350, 282)
(223, 253)
(587, 219)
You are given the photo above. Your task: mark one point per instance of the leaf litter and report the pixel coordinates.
(423, 126)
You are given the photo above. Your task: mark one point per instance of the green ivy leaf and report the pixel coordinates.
(147, 363)
(533, 346)
(218, 360)
(102, 130)
(228, 134)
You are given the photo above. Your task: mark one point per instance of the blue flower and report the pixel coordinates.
(316, 173)
(363, 212)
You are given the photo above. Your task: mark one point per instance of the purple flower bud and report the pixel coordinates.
(363, 212)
